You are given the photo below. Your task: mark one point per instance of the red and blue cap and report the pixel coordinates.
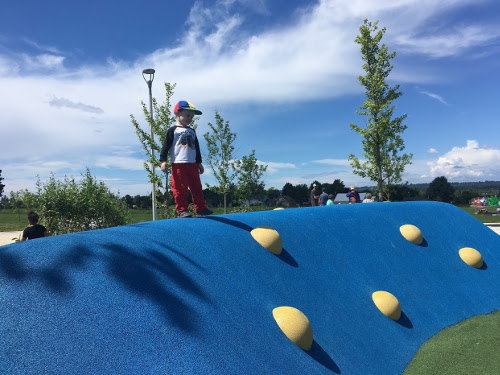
(186, 105)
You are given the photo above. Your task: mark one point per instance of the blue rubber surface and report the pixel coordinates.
(195, 296)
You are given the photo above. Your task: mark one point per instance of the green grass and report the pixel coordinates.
(481, 217)
(469, 347)
(13, 221)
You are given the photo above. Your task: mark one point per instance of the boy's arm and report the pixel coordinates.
(198, 152)
(169, 139)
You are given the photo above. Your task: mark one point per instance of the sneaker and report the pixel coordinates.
(184, 214)
(205, 212)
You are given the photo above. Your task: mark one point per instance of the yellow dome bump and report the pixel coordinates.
(294, 325)
(412, 233)
(279, 208)
(471, 256)
(387, 304)
(269, 238)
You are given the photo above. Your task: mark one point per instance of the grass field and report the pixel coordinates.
(470, 347)
(13, 221)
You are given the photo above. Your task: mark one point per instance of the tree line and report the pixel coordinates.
(438, 190)
(89, 204)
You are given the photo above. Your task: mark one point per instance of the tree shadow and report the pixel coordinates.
(180, 254)
(12, 267)
(54, 276)
(137, 274)
(319, 355)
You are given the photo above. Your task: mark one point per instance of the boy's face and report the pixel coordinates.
(184, 117)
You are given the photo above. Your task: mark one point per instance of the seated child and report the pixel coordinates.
(34, 230)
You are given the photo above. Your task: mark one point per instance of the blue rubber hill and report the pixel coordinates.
(195, 296)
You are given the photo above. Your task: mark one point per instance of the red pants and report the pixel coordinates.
(187, 176)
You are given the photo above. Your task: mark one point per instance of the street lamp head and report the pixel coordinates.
(151, 73)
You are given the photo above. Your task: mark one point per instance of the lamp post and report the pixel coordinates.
(149, 81)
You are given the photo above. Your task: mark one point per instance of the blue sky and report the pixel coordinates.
(283, 73)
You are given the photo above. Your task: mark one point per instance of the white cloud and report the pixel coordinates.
(432, 151)
(467, 163)
(339, 162)
(54, 113)
(41, 47)
(439, 98)
(62, 102)
(275, 167)
(450, 43)
(121, 162)
(42, 62)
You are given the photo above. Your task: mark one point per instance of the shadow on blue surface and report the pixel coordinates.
(319, 355)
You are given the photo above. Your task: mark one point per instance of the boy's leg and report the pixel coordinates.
(195, 188)
(180, 187)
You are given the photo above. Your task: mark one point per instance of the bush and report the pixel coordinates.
(67, 206)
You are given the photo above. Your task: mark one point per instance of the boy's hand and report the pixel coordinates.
(201, 169)
(163, 166)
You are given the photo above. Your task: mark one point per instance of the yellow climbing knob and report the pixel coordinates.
(411, 233)
(387, 304)
(268, 238)
(471, 256)
(294, 325)
(279, 208)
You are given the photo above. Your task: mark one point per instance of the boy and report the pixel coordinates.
(34, 230)
(185, 157)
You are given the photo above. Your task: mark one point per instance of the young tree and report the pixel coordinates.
(1, 185)
(163, 119)
(220, 155)
(382, 140)
(250, 173)
(440, 190)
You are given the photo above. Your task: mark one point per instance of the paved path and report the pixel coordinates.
(6, 237)
(494, 227)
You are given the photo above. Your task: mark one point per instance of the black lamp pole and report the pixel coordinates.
(149, 81)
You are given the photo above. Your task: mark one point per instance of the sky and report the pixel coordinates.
(284, 73)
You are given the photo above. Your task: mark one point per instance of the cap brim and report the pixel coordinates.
(196, 112)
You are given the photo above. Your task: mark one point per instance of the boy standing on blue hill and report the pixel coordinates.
(185, 157)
